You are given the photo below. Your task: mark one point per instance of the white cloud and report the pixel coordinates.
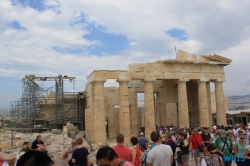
(220, 27)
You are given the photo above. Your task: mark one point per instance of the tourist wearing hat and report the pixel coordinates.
(224, 145)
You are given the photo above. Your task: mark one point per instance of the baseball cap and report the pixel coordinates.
(222, 133)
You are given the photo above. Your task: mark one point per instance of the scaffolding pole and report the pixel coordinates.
(27, 109)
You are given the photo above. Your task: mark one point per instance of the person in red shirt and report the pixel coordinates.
(195, 140)
(121, 150)
(106, 156)
(136, 152)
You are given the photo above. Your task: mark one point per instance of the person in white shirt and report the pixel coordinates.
(160, 155)
(248, 133)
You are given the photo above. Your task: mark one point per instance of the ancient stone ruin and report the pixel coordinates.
(176, 91)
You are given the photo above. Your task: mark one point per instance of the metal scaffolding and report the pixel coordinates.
(36, 99)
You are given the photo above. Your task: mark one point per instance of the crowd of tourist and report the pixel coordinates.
(168, 146)
(171, 146)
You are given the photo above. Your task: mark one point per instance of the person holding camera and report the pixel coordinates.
(225, 146)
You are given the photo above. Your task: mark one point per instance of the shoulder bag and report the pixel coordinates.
(121, 163)
(222, 147)
(201, 148)
(230, 150)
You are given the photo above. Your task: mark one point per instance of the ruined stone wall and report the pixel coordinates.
(169, 94)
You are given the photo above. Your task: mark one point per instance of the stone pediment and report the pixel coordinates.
(183, 56)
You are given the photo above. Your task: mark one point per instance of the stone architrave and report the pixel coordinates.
(124, 112)
(149, 111)
(220, 106)
(209, 104)
(203, 104)
(183, 105)
(99, 113)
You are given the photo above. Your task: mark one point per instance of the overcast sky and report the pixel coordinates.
(52, 37)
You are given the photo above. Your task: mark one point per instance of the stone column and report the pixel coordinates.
(162, 106)
(124, 112)
(88, 127)
(139, 117)
(90, 138)
(133, 111)
(149, 111)
(116, 122)
(158, 114)
(183, 116)
(209, 104)
(111, 121)
(220, 106)
(203, 104)
(99, 113)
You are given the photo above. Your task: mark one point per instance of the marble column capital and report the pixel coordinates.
(149, 80)
(218, 81)
(182, 81)
(201, 81)
(98, 81)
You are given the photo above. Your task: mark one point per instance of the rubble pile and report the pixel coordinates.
(58, 142)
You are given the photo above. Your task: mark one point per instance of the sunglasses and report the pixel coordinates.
(242, 138)
(213, 152)
(230, 133)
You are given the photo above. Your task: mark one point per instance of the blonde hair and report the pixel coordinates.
(26, 148)
(73, 141)
(229, 131)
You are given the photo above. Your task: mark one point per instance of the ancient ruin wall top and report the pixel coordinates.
(185, 57)
(185, 66)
